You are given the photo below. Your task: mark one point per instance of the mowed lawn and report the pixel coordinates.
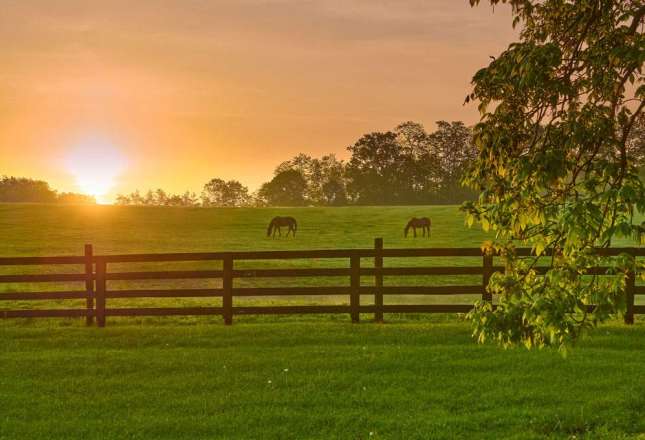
(314, 380)
(291, 377)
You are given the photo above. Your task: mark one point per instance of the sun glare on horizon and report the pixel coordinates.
(95, 165)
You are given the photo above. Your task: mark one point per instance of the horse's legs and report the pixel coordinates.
(414, 228)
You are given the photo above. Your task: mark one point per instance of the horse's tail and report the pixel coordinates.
(270, 228)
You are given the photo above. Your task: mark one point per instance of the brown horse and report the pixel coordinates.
(414, 223)
(277, 222)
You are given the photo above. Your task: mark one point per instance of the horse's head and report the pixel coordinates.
(407, 229)
(270, 228)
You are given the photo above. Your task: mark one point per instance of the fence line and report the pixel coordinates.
(96, 275)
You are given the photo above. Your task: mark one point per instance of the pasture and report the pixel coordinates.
(55, 230)
(416, 376)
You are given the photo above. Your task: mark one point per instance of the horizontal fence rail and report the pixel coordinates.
(93, 275)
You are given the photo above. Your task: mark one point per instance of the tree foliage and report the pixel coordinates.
(324, 178)
(287, 188)
(220, 193)
(555, 168)
(379, 170)
(158, 197)
(411, 166)
(24, 190)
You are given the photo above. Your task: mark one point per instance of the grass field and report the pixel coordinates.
(313, 380)
(47, 230)
(292, 377)
(60, 230)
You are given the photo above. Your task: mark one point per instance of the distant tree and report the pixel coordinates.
(413, 139)
(150, 198)
(316, 173)
(20, 189)
(453, 154)
(334, 193)
(158, 197)
(380, 171)
(220, 193)
(189, 198)
(287, 188)
(122, 200)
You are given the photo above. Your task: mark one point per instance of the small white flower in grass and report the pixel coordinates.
(364, 388)
(269, 381)
(286, 370)
(371, 433)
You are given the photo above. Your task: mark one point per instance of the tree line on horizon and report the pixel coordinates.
(25, 190)
(403, 166)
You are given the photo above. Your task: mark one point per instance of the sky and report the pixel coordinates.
(170, 93)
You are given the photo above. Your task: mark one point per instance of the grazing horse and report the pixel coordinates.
(414, 223)
(278, 222)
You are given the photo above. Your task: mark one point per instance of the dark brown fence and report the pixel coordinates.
(96, 274)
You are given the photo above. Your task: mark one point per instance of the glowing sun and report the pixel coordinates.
(95, 165)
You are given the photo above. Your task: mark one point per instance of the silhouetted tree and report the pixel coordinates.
(287, 188)
(380, 171)
(189, 198)
(316, 173)
(220, 193)
(20, 189)
(334, 193)
(453, 152)
(158, 197)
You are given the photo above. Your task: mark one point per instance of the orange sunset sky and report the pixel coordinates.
(179, 91)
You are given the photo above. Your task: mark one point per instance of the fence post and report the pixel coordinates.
(89, 284)
(101, 270)
(630, 286)
(355, 282)
(378, 279)
(488, 271)
(227, 284)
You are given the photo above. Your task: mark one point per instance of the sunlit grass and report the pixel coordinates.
(322, 378)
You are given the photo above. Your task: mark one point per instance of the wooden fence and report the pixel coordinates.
(95, 277)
